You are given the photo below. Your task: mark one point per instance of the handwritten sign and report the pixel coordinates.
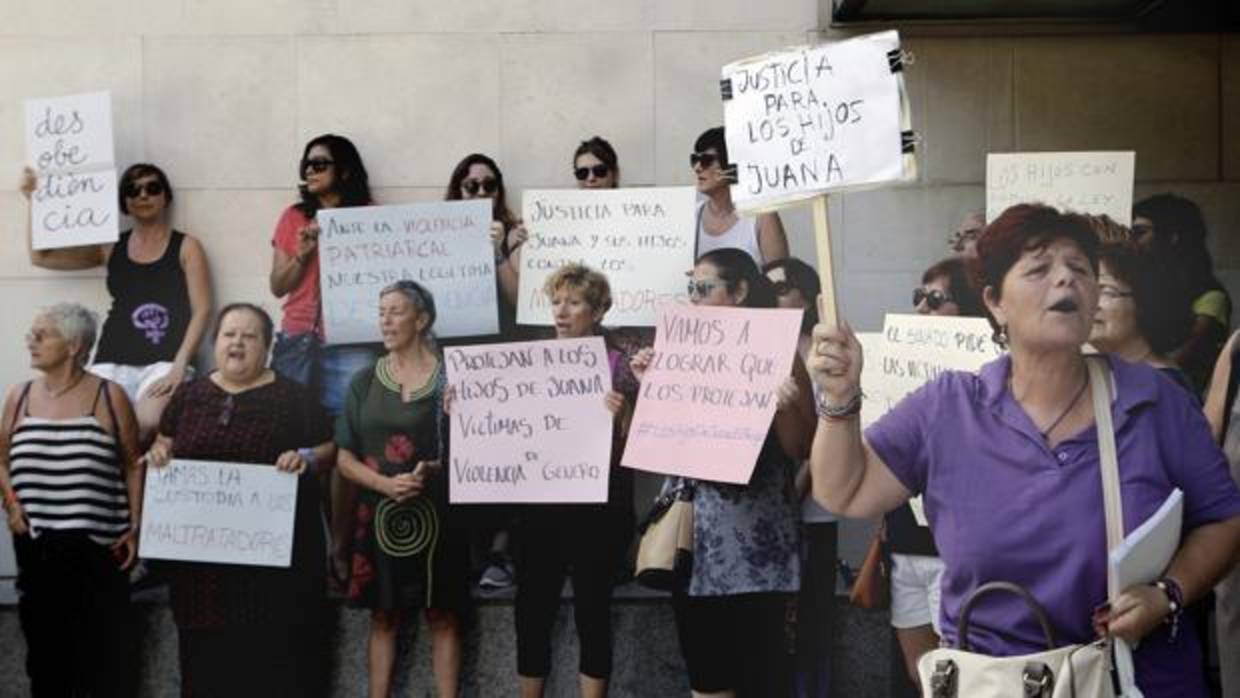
(445, 246)
(69, 144)
(708, 397)
(810, 120)
(1098, 183)
(529, 423)
(641, 238)
(202, 511)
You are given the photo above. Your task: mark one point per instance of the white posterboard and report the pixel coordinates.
(202, 511)
(529, 423)
(642, 238)
(445, 246)
(814, 119)
(1097, 182)
(69, 145)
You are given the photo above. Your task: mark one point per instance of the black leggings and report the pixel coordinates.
(561, 541)
(74, 612)
(738, 643)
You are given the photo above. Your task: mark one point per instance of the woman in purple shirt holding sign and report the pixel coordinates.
(1009, 467)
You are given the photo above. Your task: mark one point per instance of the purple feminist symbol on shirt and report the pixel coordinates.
(152, 319)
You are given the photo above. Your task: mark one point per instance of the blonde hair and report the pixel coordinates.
(591, 284)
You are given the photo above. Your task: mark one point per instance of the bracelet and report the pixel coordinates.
(849, 409)
(1175, 600)
(307, 454)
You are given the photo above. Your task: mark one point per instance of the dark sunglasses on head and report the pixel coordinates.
(488, 185)
(703, 159)
(316, 165)
(599, 171)
(155, 188)
(934, 299)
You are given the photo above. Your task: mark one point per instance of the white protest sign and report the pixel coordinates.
(641, 238)
(529, 423)
(875, 403)
(813, 119)
(203, 511)
(69, 144)
(445, 246)
(1097, 183)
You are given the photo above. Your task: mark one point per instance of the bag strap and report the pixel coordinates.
(990, 587)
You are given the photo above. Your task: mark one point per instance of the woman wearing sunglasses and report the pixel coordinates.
(732, 619)
(332, 175)
(161, 294)
(718, 223)
(595, 165)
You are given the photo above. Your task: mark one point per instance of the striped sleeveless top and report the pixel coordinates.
(67, 473)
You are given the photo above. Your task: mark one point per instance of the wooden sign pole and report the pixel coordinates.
(828, 311)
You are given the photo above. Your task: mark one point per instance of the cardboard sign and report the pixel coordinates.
(445, 246)
(1098, 183)
(69, 144)
(815, 119)
(529, 423)
(708, 397)
(642, 239)
(203, 511)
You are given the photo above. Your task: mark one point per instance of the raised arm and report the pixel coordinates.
(794, 419)
(288, 267)
(772, 240)
(848, 476)
(1216, 398)
(64, 258)
(508, 269)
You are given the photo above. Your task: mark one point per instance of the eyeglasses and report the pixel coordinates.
(487, 185)
(599, 171)
(317, 165)
(227, 412)
(703, 159)
(700, 288)
(1111, 293)
(153, 188)
(934, 298)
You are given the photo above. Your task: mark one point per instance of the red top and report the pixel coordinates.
(301, 305)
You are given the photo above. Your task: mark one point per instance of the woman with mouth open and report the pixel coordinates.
(1008, 463)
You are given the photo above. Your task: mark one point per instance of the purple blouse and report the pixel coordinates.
(1005, 506)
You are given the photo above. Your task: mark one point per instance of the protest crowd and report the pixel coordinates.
(981, 477)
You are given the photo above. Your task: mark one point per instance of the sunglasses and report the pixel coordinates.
(583, 173)
(934, 299)
(317, 165)
(703, 159)
(487, 185)
(155, 188)
(702, 287)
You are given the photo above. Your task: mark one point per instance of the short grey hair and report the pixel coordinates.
(76, 323)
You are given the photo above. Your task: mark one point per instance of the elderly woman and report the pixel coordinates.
(719, 226)
(578, 540)
(1140, 318)
(248, 630)
(1022, 502)
(161, 294)
(407, 551)
(72, 491)
(732, 619)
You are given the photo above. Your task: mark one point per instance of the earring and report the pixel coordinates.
(1000, 336)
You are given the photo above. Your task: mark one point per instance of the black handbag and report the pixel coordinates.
(665, 554)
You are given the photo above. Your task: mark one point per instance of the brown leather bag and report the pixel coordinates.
(872, 588)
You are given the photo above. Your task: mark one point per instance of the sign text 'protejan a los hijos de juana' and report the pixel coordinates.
(444, 246)
(642, 238)
(205, 511)
(707, 400)
(69, 145)
(1085, 182)
(813, 119)
(529, 423)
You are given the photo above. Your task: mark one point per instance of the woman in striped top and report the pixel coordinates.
(71, 482)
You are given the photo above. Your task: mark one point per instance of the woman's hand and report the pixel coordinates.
(497, 235)
(404, 486)
(28, 182)
(640, 362)
(449, 400)
(1134, 613)
(786, 394)
(125, 549)
(519, 236)
(291, 462)
(307, 241)
(17, 519)
(614, 402)
(835, 361)
(159, 455)
(167, 385)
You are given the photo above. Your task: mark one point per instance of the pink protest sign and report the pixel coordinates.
(529, 423)
(708, 398)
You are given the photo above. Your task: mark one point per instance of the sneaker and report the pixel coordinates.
(497, 575)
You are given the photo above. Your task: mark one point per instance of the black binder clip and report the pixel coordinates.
(725, 88)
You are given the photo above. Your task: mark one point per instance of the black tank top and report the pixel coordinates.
(150, 306)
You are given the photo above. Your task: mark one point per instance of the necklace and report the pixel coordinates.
(60, 393)
(1080, 391)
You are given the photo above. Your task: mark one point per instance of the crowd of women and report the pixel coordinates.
(364, 427)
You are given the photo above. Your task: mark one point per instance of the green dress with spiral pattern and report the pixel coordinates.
(406, 555)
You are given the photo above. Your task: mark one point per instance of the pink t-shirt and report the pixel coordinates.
(301, 305)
